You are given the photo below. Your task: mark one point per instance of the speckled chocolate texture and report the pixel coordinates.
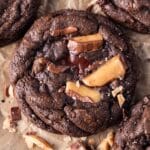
(134, 133)
(132, 14)
(40, 89)
(16, 16)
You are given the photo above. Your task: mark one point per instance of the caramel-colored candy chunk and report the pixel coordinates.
(121, 100)
(85, 43)
(109, 71)
(82, 92)
(107, 142)
(38, 141)
(65, 31)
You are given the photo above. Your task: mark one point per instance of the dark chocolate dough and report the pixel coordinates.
(134, 14)
(41, 92)
(16, 16)
(134, 133)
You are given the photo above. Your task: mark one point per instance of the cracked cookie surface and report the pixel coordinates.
(16, 16)
(134, 14)
(135, 131)
(56, 67)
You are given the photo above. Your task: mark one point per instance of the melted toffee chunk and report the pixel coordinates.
(66, 69)
(16, 16)
(135, 132)
(132, 14)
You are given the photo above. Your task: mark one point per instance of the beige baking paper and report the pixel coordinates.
(14, 141)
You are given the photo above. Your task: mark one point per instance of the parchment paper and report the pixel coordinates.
(14, 141)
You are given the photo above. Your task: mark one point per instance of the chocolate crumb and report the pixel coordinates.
(3, 101)
(15, 114)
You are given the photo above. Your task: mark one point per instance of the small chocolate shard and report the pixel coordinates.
(6, 88)
(15, 114)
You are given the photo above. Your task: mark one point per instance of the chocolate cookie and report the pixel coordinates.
(132, 14)
(73, 73)
(135, 132)
(16, 16)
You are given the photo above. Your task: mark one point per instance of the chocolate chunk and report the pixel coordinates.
(15, 114)
(3, 101)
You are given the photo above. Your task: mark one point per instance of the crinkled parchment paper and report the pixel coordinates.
(14, 141)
